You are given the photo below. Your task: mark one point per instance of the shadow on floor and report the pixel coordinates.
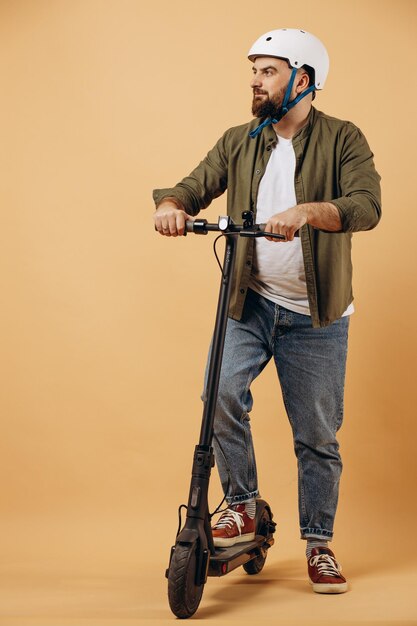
(286, 576)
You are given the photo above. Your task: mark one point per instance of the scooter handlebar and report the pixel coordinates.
(226, 226)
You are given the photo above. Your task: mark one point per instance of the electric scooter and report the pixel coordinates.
(194, 556)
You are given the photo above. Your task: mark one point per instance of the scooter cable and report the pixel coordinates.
(216, 255)
(181, 506)
(218, 509)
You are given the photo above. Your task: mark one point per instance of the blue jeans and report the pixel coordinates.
(311, 368)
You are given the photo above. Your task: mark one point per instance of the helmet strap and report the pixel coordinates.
(285, 107)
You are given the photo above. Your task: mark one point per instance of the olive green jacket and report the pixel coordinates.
(333, 164)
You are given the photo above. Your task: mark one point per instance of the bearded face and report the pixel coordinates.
(264, 105)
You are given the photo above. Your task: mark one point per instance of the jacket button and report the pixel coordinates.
(242, 291)
(268, 148)
(258, 171)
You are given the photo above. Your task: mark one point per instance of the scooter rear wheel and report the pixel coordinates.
(262, 528)
(184, 594)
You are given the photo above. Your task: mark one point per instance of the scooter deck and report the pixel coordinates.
(225, 560)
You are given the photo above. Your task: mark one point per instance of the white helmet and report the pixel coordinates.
(298, 47)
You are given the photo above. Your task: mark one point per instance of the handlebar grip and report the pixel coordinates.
(189, 227)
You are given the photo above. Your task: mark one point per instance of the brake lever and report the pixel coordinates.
(258, 230)
(249, 232)
(260, 233)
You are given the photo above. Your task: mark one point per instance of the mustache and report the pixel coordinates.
(259, 92)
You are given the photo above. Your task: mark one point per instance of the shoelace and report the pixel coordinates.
(229, 518)
(326, 565)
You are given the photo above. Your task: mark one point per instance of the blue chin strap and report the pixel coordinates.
(285, 107)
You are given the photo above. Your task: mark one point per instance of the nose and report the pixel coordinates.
(255, 82)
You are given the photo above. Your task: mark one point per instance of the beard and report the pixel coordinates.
(267, 106)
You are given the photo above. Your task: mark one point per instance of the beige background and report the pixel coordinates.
(105, 325)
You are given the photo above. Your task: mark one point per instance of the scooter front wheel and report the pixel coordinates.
(184, 594)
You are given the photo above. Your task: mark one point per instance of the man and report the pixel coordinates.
(304, 173)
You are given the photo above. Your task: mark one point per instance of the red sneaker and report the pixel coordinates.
(234, 526)
(325, 572)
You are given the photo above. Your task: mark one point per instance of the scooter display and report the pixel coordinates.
(194, 557)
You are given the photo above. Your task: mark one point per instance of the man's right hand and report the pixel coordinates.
(170, 219)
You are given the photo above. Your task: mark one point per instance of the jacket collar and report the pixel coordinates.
(270, 137)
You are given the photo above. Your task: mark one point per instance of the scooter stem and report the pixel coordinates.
(197, 524)
(206, 434)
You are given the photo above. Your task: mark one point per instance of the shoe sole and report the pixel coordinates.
(219, 542)
(329, 587)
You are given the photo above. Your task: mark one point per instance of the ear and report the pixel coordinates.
(302, 81)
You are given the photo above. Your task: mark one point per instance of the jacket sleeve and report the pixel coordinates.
(206, 182)
(360, 202)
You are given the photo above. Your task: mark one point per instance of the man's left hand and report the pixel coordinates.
(287, 223)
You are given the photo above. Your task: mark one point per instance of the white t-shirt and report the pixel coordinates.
(278, 269)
